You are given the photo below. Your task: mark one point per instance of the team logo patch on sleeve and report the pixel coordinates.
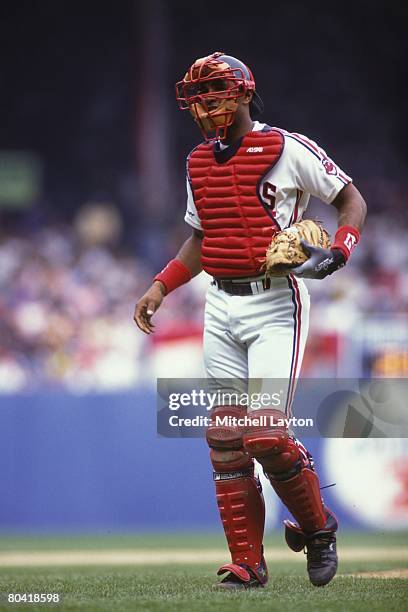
(329, 166)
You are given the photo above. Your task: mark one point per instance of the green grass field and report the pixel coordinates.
(134, 573)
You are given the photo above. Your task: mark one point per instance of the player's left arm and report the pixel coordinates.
(352, 211)
(351, 207)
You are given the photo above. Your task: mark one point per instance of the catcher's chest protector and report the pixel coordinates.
(237, 224)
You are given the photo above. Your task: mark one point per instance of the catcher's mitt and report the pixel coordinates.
(286, 252)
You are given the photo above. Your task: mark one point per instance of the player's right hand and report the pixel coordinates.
(147, 306)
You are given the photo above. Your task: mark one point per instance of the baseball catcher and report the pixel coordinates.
(248, 187)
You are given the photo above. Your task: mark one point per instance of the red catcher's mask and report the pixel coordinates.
(210, 91)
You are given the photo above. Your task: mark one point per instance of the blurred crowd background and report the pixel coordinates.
(92, 190)
(92, 201)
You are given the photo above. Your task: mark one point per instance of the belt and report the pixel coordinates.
(241, 287)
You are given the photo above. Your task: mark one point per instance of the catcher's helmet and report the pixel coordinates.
(210, 90)
(256, 105)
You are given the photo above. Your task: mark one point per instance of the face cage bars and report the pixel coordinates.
(236, 75)
(220, 130)
(187, 102)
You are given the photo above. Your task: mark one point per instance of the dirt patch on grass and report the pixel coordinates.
(393, 573)
(185, 557)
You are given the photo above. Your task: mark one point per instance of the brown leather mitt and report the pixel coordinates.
(286, 251)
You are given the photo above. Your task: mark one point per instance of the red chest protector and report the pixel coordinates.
(237, 224)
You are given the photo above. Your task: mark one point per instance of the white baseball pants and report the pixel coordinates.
(257, 339)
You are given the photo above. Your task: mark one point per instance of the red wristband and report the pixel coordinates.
(346, 239)
(173, 275)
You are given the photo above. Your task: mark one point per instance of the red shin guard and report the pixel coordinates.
(301, 496)
(239, 496)
(288, 469)
(242, 512)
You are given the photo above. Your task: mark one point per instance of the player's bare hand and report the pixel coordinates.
(147, 306)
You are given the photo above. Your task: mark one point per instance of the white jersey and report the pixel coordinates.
(303, 170)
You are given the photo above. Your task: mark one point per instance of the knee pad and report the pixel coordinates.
(224, 438)
(268, 441)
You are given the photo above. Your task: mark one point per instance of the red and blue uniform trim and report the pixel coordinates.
(295, 214)
(297, 319)
(314, 150)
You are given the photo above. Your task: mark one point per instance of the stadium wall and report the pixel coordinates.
(95, 463)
